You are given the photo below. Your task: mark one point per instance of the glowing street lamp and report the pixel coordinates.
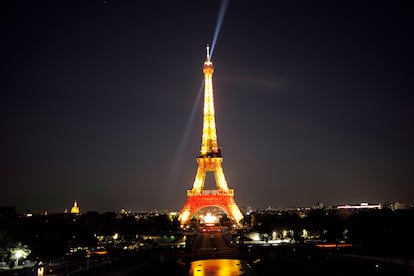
(18, 254)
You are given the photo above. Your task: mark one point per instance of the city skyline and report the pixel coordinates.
(76, 209)
(99, 104)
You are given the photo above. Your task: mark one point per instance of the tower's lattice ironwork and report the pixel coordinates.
(210, 160)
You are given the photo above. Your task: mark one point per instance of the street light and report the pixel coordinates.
(18, 254)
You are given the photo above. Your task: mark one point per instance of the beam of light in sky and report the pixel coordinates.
(223, 8)
(184, 139)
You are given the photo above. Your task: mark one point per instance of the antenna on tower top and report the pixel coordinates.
(208, 52)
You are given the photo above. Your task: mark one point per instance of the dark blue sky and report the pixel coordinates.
(313, 102)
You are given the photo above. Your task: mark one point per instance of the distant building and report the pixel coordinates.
(400, 206)
(75, 208)
(363, 205)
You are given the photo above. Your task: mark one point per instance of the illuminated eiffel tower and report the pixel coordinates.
(210, 160)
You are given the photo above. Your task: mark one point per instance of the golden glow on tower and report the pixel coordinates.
(210, 156)
(210, 160)
(209, 144)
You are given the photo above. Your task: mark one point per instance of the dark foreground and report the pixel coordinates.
(267, 261)
(281, 260)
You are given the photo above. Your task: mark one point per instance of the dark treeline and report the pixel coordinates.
(52, 236)
(381, 232)
(377, 232)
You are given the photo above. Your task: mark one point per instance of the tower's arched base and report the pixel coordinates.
(219, 198)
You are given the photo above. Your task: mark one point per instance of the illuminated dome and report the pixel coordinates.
(75, 208)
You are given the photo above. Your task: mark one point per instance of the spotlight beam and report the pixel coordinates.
(223, 8)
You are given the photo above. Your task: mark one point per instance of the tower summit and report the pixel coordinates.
(209, 146)
(209, 160)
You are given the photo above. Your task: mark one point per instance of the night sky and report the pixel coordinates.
(314, 102)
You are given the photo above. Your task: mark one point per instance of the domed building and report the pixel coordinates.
(75, 208)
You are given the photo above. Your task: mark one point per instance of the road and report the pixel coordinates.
(214, 245)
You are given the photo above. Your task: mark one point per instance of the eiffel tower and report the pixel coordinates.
(210, 160)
